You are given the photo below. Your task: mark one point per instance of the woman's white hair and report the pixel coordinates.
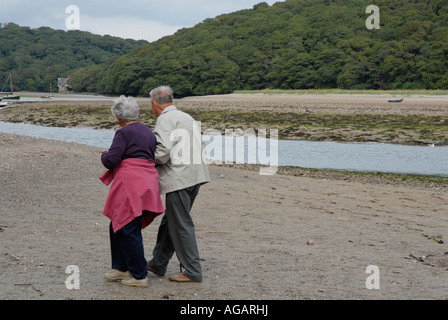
(126, 109)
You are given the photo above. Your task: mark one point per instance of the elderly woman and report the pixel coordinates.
(134, 198)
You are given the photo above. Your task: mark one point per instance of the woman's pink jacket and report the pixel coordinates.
(134, 192)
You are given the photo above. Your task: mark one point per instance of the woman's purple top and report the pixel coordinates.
(133, 141)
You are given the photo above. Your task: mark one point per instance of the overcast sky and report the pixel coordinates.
(136, 19)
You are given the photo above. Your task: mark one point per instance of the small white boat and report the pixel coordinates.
(3, 104)
(396, 100)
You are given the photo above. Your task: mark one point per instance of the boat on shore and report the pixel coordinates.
(3, 103)
(51, 95)
(396, 100)
(9, 95)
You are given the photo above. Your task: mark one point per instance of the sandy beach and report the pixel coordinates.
(252, 230)
(432, 105)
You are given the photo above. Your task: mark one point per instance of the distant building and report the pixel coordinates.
(63, 85)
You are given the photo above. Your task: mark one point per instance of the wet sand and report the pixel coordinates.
(252, 230)
(429, 105)
(252, 233)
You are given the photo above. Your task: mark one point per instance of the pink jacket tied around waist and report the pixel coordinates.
(134, 192)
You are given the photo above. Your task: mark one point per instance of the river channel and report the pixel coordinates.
(364, 157)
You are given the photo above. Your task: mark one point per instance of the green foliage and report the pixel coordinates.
(295, 44)
(37, 57)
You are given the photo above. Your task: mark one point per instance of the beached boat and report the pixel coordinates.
(9, 95)
(396, 100)
(51, 95)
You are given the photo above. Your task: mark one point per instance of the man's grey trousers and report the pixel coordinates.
(177, 234)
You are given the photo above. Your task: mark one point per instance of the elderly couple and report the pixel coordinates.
(141, 167)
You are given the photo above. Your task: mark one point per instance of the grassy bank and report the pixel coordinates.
(356, 127)
(94, 114)
(404, 93)
(403, 129)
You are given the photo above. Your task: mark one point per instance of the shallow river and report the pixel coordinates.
(368, 157)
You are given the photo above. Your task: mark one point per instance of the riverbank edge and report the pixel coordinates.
(93, 113)
(318, 116)
(383, 178)
(372, 177)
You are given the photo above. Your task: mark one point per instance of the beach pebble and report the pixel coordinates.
(310, 242)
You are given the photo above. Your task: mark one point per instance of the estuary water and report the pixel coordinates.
(365, 157)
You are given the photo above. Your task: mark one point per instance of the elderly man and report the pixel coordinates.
(182, 171)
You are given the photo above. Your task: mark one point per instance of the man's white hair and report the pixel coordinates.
(162, 95)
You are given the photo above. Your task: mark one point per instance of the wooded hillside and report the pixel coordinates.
(296, 44)
(37, 57)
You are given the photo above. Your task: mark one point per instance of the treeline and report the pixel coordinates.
(37, 57)
(296, 44)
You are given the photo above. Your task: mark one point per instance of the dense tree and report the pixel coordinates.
(295, 44)
(37, 57)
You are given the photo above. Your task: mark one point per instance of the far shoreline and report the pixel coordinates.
(389, 92)
(327, 115)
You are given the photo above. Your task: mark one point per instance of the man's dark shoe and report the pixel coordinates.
(157, 273)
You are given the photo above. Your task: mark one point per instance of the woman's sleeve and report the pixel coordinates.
(112, 158)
